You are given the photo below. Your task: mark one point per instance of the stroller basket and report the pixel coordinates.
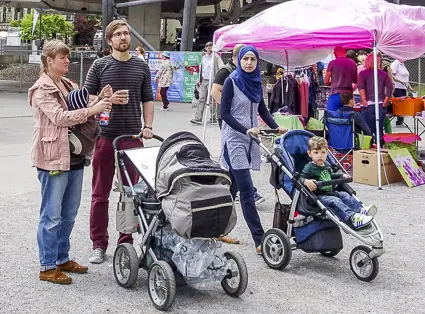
(319, 236)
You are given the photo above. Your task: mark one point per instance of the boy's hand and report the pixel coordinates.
(346, 176)
(311, 185)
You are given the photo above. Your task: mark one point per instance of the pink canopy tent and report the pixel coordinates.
(306, 31)
(303, 32)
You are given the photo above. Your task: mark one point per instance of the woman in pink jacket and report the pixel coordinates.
(60, 172)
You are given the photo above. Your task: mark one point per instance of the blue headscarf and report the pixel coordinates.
(248, 83)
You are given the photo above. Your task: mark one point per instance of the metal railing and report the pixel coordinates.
(17, 74)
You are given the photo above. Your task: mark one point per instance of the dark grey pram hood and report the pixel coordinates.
(193, 189)
(183, 154)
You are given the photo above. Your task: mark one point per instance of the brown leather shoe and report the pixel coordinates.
(258, 250)
(73, 267)
(229, 240)
(55, 276)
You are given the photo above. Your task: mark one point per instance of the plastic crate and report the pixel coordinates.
(407, 106)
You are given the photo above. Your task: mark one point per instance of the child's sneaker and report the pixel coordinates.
(370, 210)
(359, 221)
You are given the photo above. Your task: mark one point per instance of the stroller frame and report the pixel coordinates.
(371, 236)
(149, 221)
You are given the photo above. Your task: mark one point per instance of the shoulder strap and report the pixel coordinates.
(277, 195)
(228, 67)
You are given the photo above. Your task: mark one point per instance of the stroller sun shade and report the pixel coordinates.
(183, 153)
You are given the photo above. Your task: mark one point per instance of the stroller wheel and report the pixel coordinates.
(276, 249)
(236, 280)
(363, 267)
(126, 265)
(161, 285)
(330, 253)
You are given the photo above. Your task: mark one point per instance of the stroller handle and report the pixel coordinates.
(334, 182)
(132, 137)
(264, 133)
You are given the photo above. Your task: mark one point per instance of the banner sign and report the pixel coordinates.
(185, 77)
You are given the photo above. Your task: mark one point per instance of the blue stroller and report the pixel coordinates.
(307, 224)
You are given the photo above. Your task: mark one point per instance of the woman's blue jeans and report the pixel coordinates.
(60, 200)
(242, 182)
(370, 118)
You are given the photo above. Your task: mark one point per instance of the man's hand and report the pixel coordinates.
(147, 133)
(120, 97)
(346, 176)
(311, 185)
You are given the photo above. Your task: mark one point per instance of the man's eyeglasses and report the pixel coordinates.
(119, 34)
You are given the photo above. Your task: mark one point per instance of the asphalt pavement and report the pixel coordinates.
(310, 284)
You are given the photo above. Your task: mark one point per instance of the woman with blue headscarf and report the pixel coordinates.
(241, 101)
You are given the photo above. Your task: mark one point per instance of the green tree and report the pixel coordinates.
(51, 26)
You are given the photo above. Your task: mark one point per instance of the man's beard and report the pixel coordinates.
(121, 47)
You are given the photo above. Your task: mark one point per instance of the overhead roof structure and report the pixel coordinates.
(170, 8)
(92, 6)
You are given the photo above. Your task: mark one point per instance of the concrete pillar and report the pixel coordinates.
(107, 17)
(146, 20)
(189, 21)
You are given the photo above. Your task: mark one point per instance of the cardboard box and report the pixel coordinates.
(365, 168)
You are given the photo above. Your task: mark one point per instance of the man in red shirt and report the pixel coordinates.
(341, 74)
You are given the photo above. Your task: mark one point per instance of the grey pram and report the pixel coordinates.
(181, 205)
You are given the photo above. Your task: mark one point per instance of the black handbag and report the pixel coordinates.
(281, 214)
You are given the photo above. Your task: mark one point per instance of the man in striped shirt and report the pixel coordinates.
(130, 80)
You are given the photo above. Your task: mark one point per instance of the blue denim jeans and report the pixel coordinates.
(334, 102)
(242, 182)
(342, 204)
(370, 118)
(60, 200)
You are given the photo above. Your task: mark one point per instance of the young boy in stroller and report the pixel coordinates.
(343, 204)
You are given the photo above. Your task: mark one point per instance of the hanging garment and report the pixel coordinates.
(312, 94)
(285, 94)
(303, 91)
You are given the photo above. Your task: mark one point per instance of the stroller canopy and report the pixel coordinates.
(193, 189)
(183, 154)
